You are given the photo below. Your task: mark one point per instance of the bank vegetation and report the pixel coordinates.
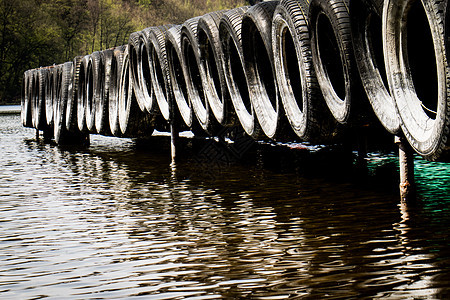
(37, 33)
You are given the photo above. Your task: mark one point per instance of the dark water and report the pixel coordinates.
(113, 221)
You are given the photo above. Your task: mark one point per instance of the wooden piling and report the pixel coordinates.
(173, 140)
(406, 162)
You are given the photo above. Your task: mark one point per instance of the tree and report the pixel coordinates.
(36, 33)
(25, 41)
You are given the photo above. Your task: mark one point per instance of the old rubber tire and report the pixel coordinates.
(133, 122)
(196, 87)
(60, 131)
(38, 99)
(211, 57)
(234, 69)
(101, 91)
(134, 53)
(368, 49)
(82, 94)
(90, 85)
(147, 78)
(25, 103)
(416, 48)
(114, 90)
(163, 100)
(332, 53)
(145, 75)
(299, 90)
(57, 86)
(258, 56)
(177, 75)
(71, 107)
(49, 92)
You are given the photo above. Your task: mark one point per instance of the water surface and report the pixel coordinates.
(117, 221)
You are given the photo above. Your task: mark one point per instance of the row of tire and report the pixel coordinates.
(320, 66)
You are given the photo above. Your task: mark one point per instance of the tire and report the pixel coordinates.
(72, 101)
(211, 57)
(95, 90)
(114, 91)
(234, 69)
(60, 131)
(25, 111)
(82, 94)
(332, 53)
(416, 52)
(57, 86)
(368, 49)
(32, 92)
(89, 89)
(38, 99)
(177, 75)
(163, 96)
(299, 90)
(133, 122)
(145, 73)
(194, 76)
(258, 57)
(134, 53)
(49, 92)
(101, 89)
(147, 78)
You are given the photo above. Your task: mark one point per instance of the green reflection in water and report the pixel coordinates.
(432, 178)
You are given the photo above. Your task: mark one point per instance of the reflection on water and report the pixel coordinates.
(114, 221)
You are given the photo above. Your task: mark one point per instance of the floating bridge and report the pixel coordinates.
(304, 70)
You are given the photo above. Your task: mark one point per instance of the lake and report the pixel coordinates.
(118, 220)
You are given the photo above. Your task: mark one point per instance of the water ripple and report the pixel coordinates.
(114, 221)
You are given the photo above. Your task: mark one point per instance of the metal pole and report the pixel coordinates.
(406, 161)
(173, 141)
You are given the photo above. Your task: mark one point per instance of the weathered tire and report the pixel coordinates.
(82, 93)
(51, 75)
(299, 90)
(134, 54)
(211, 57)
(57, 81)
(72, 101)
(234, 69)
(38, 99)
(194, 76)
(25, 103)
(101, 91)
(258, 57)
(177, 74)
(133, 122)
(145, 75)
(91, 84)
(332, 53)
(59, 126)
(368, 49)
(416, 48)
(163, 100)
(114, 90)
(32, 92)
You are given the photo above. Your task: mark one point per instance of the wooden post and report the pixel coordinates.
(37, 135)
(173, 141)
(406, 161)
(48, 135)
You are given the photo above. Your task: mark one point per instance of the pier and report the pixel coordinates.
(267, 72)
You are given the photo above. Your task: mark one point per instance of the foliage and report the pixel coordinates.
(37, 33)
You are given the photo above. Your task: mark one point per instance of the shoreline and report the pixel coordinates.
(9, 109)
